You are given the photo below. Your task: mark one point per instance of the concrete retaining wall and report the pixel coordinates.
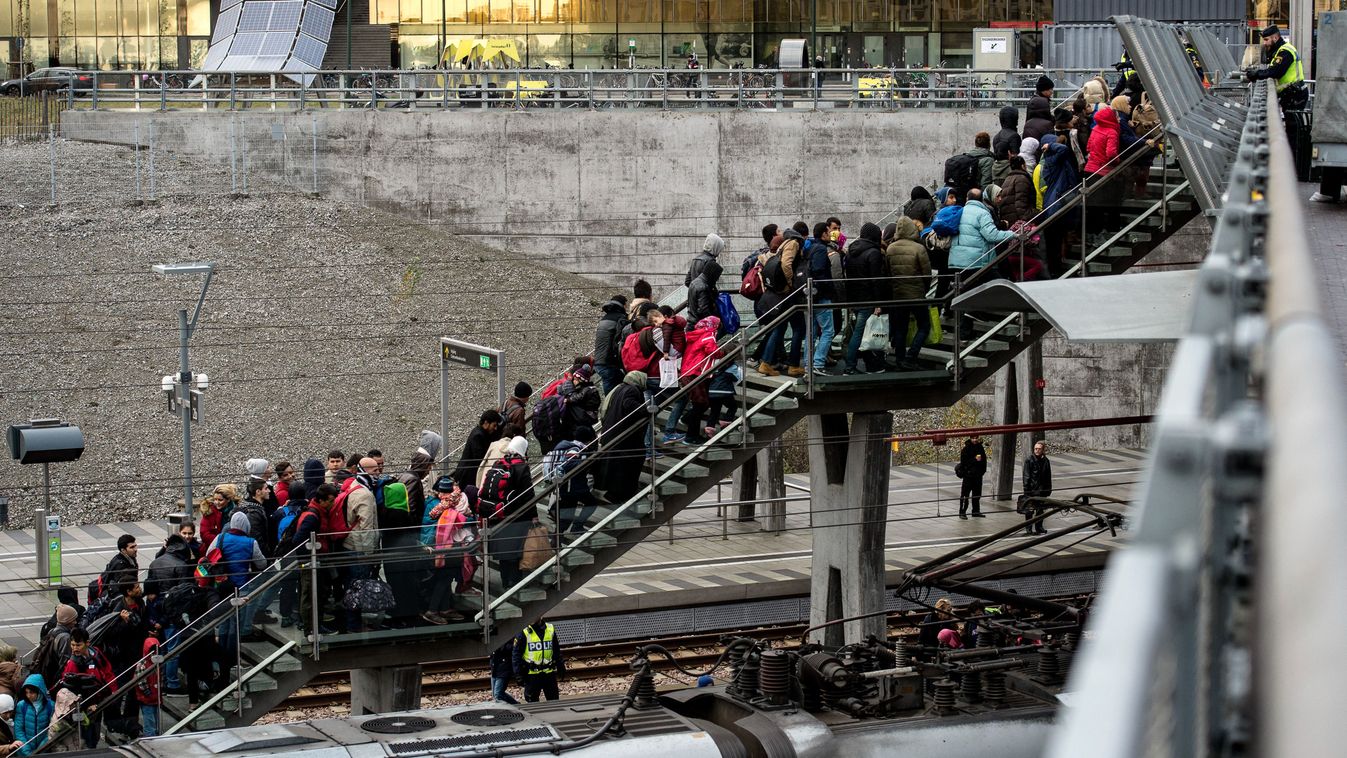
(617, 194)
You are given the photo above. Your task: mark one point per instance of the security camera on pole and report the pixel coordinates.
(184, 389)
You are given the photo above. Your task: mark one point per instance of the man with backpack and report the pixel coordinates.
(240, 558)
(783, 271)
(608, 344)
(121, 570)
(89, 674)
(574, 502)
(972, 169)
(50, 657)
(506, 490)
(309, 522)
(582, 401)
(479, 439)
(752, 288)
(284, 522)
(360, 508)
(711, 250)
(825, 269)
(515, 409)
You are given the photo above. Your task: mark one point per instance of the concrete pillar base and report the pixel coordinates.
(386, 689)
(849, 480)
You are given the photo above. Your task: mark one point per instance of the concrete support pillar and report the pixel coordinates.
(746, 488)
(1029, 369)
(849, 480)
(772, 486)
(386, 689)
(1007, 412)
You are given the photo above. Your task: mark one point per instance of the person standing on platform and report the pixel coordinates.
(1037, 480)
(123, 569)
(1284, 69)
(538, 662)
(972, 467)
(502, 671)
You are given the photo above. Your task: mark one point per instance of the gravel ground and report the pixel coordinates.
(320, 329)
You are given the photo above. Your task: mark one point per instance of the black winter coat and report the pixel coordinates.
(703, 293)
(1037, 118)
(1007, 141)
(169, 570)
(474, 450)
(973, 460)
(697, 266)
(607, 344)
(866, 267)
(1036, 476)
(120, 571)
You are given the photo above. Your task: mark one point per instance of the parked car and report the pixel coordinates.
(47, 79)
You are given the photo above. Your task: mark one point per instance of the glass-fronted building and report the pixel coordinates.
(593, 34)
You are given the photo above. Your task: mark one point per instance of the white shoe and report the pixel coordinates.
(1320, 197)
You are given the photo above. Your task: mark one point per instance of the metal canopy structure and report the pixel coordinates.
(271, 36)
(1138, 308)
(1203, 126)
(1217, 60)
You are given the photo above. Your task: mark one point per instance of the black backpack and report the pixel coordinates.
(495, 490)
(178, 601)
(46, 660)
(547, 417)
(773, 277)
(962, 173)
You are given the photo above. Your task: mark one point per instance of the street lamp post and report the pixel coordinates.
(182, 399)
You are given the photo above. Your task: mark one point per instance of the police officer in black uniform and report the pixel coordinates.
(1284, 69)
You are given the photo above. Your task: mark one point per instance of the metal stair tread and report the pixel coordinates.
(256, 651)
(972, 361)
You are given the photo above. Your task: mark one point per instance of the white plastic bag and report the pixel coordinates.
(668, 372)
(876, 334)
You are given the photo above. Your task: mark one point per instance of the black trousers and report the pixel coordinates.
(971, 490)
(540, 684)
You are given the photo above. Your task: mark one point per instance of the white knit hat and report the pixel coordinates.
(519, 445)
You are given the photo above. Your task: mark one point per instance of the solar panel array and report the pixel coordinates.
(1203, 126)
(268, 36)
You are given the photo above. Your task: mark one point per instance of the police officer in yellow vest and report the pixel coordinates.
(537, 660)
(1284, 69)
(1130, 82)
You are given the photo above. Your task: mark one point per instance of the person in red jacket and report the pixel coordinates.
(702, 354)
(147, 691)
(1103, 194)
(88, 673)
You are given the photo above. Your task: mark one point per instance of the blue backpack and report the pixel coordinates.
(729, 315)
(946, 221)
(289, 513)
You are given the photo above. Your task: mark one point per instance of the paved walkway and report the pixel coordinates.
(699, 567)
(1326, 226)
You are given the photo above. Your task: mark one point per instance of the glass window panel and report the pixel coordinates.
(593, 50)
(149, 53)
(7, 20)
(417, 50)
(149, 20)
(411, 11)
(198, 18)
(128, 52)
(638, 11)
(168, 53)
(386, 11)
(107, 53)
(168, 19)
(523, 12)
(38, 50)
(128, 16)
(37, 20)
(500, 11)
(597, 11)
(478, 11)
(67, 55)
(549, 50)
(107, 26)
(547, 12)
(455, 10)
(84, 23)
(431, 10)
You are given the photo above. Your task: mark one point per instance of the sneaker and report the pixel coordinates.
(654, 455)
(670, 438)
(795, 371)
(909, 366)
(434, 618)
(876, 370)
(850, 371)
(471, 592)
(963, 516)
(264, 617)
(694, 441)
(287, 622)
(766, 369)
(1320, 197)
(823, 371)
(751, 362)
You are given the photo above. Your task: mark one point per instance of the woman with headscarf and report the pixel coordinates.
(1029, 152)
(620, 469)
(402, 560)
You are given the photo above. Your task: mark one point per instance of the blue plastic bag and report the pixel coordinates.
(729, 315)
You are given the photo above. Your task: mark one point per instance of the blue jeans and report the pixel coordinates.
(498, 691)
(823, 331)
(654, 394)
(772, 355)
(171, 680)
(610, 376)
(263, 600)
(857, 333)
(675, 414)
(149, 720)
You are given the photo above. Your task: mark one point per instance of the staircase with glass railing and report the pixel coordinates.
(266, 672)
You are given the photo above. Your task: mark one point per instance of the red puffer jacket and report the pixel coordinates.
(702, 350)
(1103, 145)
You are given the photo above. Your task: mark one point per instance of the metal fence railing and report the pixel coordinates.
(564, 88)
(30, 117)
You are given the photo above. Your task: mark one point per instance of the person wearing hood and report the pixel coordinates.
(973, 247)
(1029, 152)
(11, 673)
(1006, 143)
(1037, 173)
(399, 546)
(1017, 197)
(7, 742)
(1059, 178)
(445, 527)
(1038, 114)
(711, 250)
(867, 283)
(620, 472)
(241, 558)
(608, 342)
(506, 540)
(910, 267)
(32, 715)
(921, 206)
(703, 294)
(172, 568)
(1102, 154)
(702, 355)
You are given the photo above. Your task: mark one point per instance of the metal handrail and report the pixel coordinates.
(243, 679)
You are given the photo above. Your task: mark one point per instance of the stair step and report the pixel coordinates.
(472, 604)
(1096, 267)
(690, 471)
(577, 557)
(231, 705)
(716, 453)
(1117, 251)
(780, 402)
(619, 524)
(672, 486)
(257, 651)
(992, 345)
(945, 356)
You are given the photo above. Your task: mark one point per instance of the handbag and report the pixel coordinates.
(876, 334)
(537, 548)
(932, 337)
(369, 596)
(668, 372)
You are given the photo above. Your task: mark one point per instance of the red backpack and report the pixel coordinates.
(335, 523)
(495, 489)
(633, 359)
(751, 287)
(553, 386)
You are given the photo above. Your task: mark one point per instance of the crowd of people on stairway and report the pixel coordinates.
(404, 548)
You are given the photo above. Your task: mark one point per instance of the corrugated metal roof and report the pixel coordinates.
(1087, 11)
(1098, 46)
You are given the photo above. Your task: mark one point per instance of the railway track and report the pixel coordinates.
(585, 662)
